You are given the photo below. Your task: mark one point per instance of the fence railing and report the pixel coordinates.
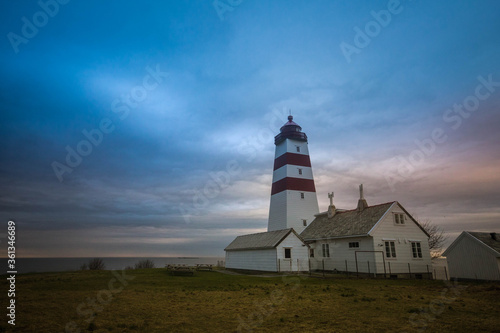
(363, 268)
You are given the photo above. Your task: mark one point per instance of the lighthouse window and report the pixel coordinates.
(300, 171)
(288, 253)
(302, 195)
(304, 222)
(298, 149)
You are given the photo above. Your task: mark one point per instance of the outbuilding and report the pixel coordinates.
(474, 256)
(272, 251)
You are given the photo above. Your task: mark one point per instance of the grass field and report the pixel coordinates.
(150, 300)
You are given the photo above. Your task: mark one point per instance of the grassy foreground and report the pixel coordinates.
(150, 300)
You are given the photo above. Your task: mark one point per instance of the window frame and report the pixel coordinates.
(300, 171)
(289, 250)
(416, 250)
(399, 218)
(302, 195)
(354, 245)
(304, 222)
(298, 149)
(390, 249)
(325, 250)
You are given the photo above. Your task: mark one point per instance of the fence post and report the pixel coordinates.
(279, 265)
(427, 271)
(385, 269)
(323, 267)
(368, 262)
(409, 269)
(434, 276)
(445, 273)
(309, 264)
(291, 270)
(297, 265)
(390, 272)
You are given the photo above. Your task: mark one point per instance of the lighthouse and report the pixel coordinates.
(293, 194)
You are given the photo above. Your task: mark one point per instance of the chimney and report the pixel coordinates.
(493, 235)
(362, 204)
(331, 208)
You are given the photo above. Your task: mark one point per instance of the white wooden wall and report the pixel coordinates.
(260, 260)
(469, 259)
(402, 235)
(340, 252)
(300, 252)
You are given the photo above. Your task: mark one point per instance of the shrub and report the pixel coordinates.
(96, 264)
(146, 263)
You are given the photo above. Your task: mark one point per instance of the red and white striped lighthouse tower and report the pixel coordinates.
(293, 194)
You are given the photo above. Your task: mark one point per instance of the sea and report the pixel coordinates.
(38, 265)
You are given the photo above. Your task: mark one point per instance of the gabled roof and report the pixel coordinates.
(345, 223)
(483, 237)
(260, 241)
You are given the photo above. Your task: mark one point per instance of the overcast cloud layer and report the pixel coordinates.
(182, 100)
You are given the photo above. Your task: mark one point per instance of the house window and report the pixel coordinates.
(304, 222)
(353, 245)
(390, 250)
(288, 253)
(416, 250)
(302, 195)
(311, 253)
(300, 171)
(298, 149)
(326, 250)
(399, 218)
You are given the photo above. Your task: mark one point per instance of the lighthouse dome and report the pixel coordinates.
(290, 130)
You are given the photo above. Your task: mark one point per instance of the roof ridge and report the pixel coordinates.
(355, 209)
(263, 232)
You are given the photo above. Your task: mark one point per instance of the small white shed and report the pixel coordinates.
(272, 251)
(474, 256)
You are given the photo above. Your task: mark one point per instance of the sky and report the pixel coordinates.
(145, 128)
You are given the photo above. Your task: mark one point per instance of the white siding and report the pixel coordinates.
(292, 171)
(340, 252)
(267, 260)
(290, 146)
(287, 210)
(299, 254)
(260, 260)
(470, 259)
(277, 212)
(402, 235)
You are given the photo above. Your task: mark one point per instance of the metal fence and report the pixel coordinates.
(363, 268)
